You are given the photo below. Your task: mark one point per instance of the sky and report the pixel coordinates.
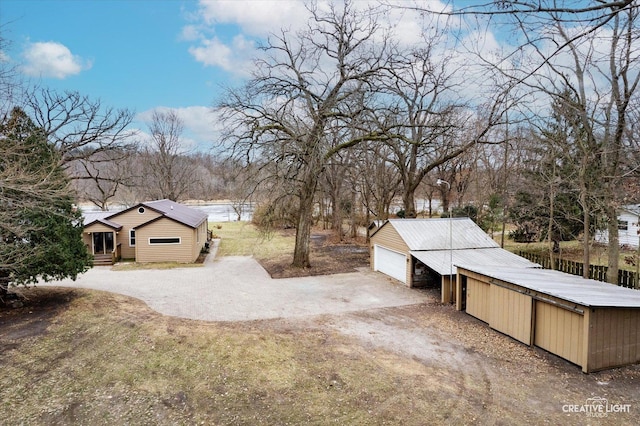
(149, 54)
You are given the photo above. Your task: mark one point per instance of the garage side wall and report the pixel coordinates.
(614, 338)
(386, 236)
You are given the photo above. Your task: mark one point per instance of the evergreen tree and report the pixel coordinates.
(40, 229)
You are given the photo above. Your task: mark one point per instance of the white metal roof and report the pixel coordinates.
(564, 286)
(434, 234)
(440, 260)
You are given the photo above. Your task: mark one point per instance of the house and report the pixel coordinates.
(628, 227)
(422, 252)
(155, 231)
(589, 323)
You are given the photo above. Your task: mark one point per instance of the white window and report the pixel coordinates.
(141, 210)
(132, 238)
(164, 240)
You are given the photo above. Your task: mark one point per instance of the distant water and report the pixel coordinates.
(218, 212)
(224, 212)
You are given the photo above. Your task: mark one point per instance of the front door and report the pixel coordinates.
(102, 242)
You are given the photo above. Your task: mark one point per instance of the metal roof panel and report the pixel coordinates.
(440, 260)
(442, 234)
(564, 286)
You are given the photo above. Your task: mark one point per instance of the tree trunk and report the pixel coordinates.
(586, 243)
(408, 200)
(552, 197)
(303, 229)
(613, 246)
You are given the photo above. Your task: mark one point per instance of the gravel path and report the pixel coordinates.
(237, 288)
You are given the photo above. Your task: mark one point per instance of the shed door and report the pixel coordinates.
(477, 300)
(511, 313)
(559, 331)
(390, 262)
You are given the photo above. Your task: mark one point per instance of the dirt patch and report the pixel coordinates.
(35, 311)
(329, 255)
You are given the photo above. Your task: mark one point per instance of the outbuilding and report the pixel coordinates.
(589, 323)
(423, 252)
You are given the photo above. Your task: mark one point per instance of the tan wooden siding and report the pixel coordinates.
(389, 238)
(88, 241)
(614, 338)
(559, 331)
(201, 239)
(130, 219)
(478, 299)
(510, 313)
(165, 228)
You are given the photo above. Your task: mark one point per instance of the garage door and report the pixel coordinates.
(390, 262)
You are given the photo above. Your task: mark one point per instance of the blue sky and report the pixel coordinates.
(147, 54)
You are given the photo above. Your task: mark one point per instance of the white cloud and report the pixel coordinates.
(51, 59)
(235, 57)
(190, 33)
(255, 17)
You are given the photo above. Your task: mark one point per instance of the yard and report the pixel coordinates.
(75, 356)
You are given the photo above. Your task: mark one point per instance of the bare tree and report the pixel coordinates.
(308, 84)
(168, 171)
(78, 126)
(101, 177)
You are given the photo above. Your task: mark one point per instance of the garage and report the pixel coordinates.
(391, 263)
(424, 252)
(592, 324)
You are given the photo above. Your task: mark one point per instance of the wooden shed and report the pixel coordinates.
(589, 323)
(422, 252)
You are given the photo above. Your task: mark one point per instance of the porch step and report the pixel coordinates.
(102, 260)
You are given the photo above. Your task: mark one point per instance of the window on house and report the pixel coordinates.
(132, 238)
(164, 240)
(623, 225)
(141, 210)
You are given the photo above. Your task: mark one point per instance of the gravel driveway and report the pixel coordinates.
(237, 288)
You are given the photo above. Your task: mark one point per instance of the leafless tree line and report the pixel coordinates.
(340, 121)
(341, 108)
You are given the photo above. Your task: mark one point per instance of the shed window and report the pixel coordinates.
(164, 240)
(132, 238)
(623, 225)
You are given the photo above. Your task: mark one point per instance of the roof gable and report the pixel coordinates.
(178, 212)
(167, 208)
(633, 209)
(437, 234)
(91, 218)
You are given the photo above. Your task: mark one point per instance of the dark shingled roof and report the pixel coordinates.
(169, 209)
(178, 212)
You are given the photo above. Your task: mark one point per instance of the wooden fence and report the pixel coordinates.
(626, 278)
